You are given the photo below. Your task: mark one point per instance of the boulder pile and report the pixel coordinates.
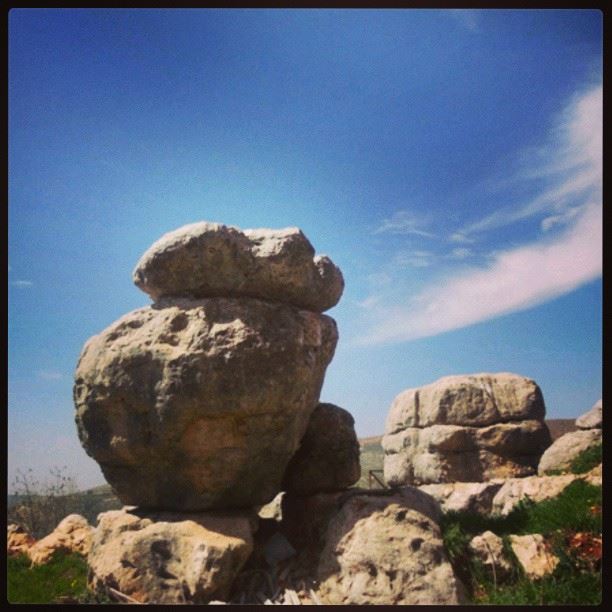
(471, 428)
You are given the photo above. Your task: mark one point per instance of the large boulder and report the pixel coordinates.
(198, 404)
(470, 428)
(565, 449)
(474, 497)
(166, 558)
(386, 549)
(73, 534)
(591, 419)
(328, 456)
(213, 260)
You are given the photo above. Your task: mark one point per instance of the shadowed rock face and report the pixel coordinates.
(212, 260)
(465, 428)
(328, 457)
(196, 404)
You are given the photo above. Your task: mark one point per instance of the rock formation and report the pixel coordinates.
(470, 428)
(169, 558)
(200, 400)
(18, 540)
(328, 457)
(559, 456)
(72, 534)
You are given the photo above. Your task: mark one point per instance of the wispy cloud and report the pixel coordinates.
(403, 222)
(22, 283)
(573, 169)
(49, 375)
(527, 275)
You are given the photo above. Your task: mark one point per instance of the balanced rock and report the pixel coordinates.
(565, 449)
(72, 534)
(196, 404)
(328, 456)
(213, 260)
(591, 419)
(166, 558)
(387, 550)
(468, 428)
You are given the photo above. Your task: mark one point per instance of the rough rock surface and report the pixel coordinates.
(195, 404)
(475, 497)
(591, 419)
(560, 454)
(536, 488)
(386, 550)
(488, 548)
(533, 554)
(169, 558)
(18, 540)
(470, 428)
(328, 456)
(72, 534)
(212, 260)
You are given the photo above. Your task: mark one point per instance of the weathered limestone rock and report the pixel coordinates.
(469, 428)
(488, 548)
(18, 540)
(212, 260)
(198, 404)
(328, 456)
(594, 476)
(475, 497)
(534, 555)
(72, 534)
(536, 488)
(560, 454)
(591, 419)
(386, 550)
(167, 558)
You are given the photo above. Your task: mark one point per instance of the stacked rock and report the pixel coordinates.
(470, 428)
(199, 402)
(561, 453)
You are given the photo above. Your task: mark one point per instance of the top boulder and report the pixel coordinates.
(212, 260)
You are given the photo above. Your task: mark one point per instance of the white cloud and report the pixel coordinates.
(413, 259)
(573, 169)
(22, 283)
(50, 375)
(517, 279)
(403, 222)
(527, 275)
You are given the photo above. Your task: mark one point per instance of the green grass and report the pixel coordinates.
(586, 460)
(555, 519)
(64, 576)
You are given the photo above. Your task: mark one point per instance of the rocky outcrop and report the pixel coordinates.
(565, 449)
(212, 260)
(534, 555)
(328, 456)
(591, 419)
(18, 540)
(73, 535)
(169, 558)
(200, 400)
(475, 497)
(469, 428)
(386, 550)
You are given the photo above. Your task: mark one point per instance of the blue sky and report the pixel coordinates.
(448, 161)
